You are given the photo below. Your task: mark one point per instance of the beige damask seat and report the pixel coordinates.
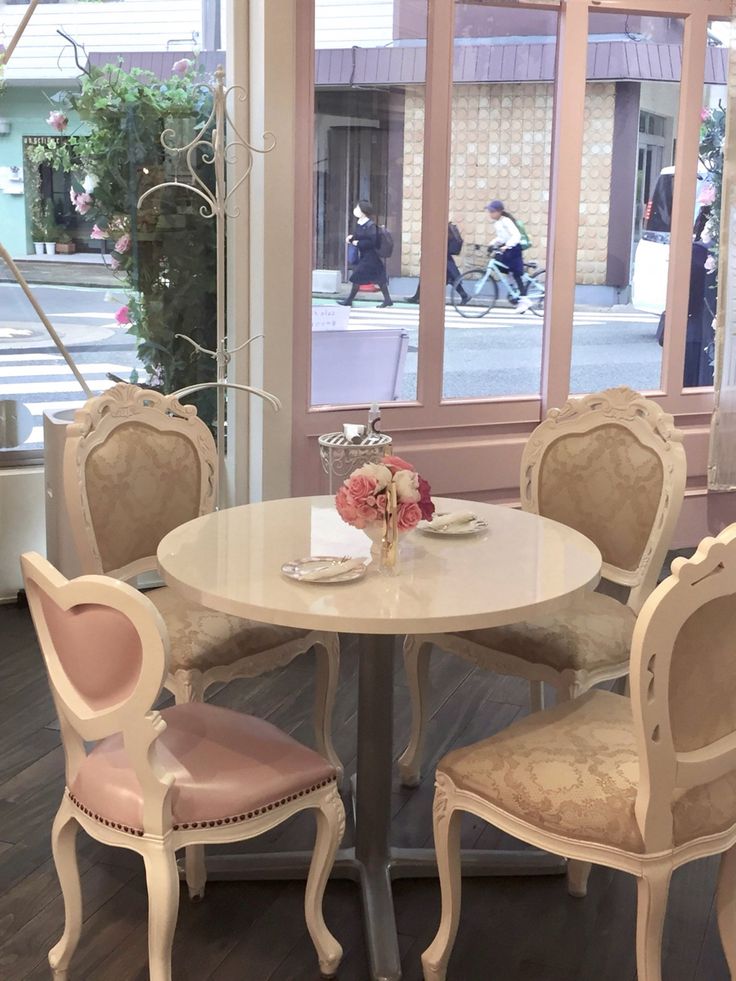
(136, 465)
(643, 784)
(611, 465)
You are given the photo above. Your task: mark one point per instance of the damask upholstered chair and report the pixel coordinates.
(154, 781)
(136, 465)
(612, 466)
(644, 784)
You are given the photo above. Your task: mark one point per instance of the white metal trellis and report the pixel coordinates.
(219, 152)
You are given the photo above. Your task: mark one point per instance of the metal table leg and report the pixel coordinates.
(373, 803)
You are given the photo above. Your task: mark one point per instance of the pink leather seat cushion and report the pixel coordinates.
(226, 765)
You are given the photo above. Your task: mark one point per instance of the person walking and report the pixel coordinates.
(507, 244)
(453, 273)
(370, 267)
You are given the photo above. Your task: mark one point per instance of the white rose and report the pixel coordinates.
(89, 183)
(407, 485)
(381, 474)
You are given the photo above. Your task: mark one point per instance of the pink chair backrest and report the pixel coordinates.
(104, 645)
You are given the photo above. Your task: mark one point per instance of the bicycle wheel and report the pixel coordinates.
(481, 295)
(535, 292)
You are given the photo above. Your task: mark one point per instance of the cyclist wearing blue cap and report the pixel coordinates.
(507, 242)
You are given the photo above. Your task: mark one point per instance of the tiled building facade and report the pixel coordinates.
(501, 140)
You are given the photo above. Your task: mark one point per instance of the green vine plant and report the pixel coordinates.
(164, 253)
(712, 141)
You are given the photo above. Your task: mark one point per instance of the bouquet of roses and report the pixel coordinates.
(364, 498)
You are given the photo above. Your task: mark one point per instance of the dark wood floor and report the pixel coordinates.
(512, 929)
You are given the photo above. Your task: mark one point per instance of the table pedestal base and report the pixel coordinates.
(373, 862)
(375, 882)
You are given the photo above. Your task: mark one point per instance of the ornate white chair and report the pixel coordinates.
(136, 465)
(154, 781)
(611, 465)
(644, 784)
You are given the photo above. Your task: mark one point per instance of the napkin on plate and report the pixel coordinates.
(329, 571)
(445, 520)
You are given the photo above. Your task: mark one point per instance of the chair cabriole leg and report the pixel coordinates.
(416, 666)
(190, 687)
(162, 880)
(64, 847)
(726, 907)
(447, 846)
(652, 888)
(330, 818)
(327, 658)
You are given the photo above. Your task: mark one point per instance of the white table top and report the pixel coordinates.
(523, 566)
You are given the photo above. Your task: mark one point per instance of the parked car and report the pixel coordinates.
(651, 261)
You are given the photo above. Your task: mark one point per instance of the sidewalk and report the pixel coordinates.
(80, 269)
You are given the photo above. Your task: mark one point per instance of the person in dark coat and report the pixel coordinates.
(370, 267)
(451, 277)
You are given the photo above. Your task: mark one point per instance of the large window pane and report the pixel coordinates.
(501, 145)
(369, 142)
(632, 104)
(117, 281)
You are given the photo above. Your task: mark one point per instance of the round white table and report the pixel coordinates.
(522, 567)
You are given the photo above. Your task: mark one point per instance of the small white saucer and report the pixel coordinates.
(474, 527)
(297, 568)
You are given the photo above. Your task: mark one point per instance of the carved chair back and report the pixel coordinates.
(136, 465)
(106, 649)
(612, 466)
(683, 693)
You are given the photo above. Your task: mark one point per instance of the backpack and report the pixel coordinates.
(385, 244)
(454, 240)
(526, 242)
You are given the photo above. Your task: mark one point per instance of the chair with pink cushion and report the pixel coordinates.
(136, 465)
(156, 782)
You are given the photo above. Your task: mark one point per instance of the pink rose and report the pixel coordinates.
(182, 66)
(122, 244)
(409, 515)
(57, 120)
(97, 232)
(382, 503)
(361, 487)
(397, 463)
(123, 315)
(704, 114)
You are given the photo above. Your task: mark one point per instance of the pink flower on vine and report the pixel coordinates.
(82, 202)
(123, 315)
(57, 120)
(97, 233)
(704, 115)
(182, 66)
(708, 195)
(123, 244)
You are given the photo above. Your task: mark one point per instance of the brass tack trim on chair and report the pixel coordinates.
(219, 822)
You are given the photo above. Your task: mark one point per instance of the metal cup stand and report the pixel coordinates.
(340, 455)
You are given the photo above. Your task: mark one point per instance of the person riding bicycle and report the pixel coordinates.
(507, 245)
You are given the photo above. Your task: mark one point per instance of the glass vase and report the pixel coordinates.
(384, 554)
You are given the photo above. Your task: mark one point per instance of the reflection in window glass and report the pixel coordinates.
(369, 144)
(501, 146)
(626, 210)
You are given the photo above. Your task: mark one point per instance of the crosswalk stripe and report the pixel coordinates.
(21, 388)
(37, 371)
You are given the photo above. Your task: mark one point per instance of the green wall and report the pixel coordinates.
(26, 109)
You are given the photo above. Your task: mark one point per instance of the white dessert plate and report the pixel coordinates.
(473, 527)
(301, 569)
